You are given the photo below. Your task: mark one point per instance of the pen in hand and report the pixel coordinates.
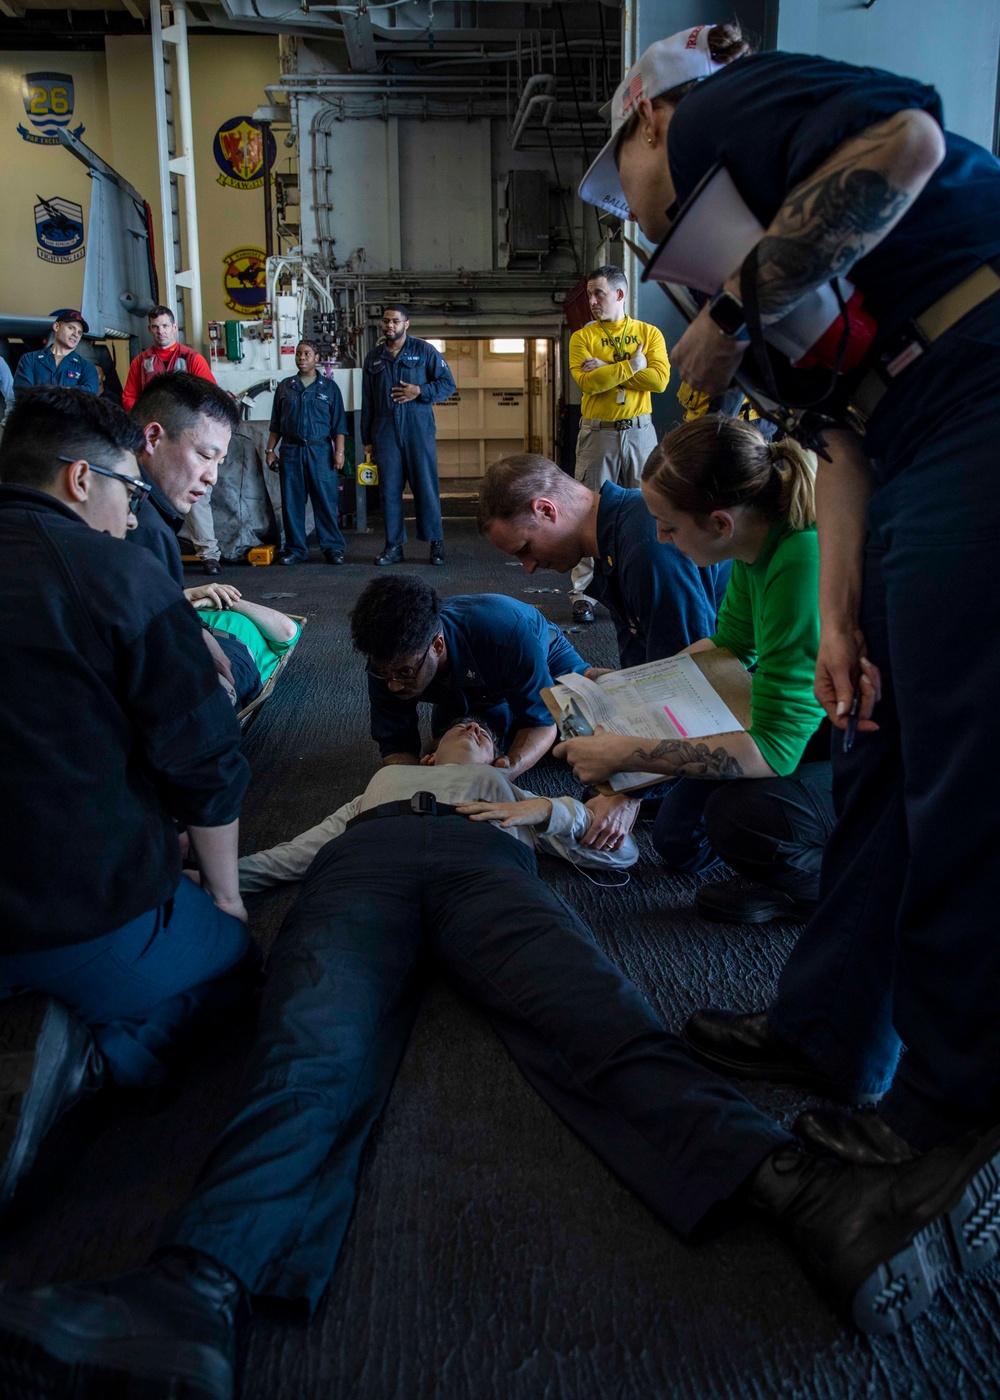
(851, 732)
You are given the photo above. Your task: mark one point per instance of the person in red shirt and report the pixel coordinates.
(167, 355)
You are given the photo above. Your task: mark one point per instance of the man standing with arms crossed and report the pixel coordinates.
(167, 355)
(618, 363)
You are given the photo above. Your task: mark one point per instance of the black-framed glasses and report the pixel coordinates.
(138, 489)
(399, 673)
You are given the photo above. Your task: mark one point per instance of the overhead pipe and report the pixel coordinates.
(543, 99)
(539, 84)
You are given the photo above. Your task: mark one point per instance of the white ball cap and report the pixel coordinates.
(665, 65)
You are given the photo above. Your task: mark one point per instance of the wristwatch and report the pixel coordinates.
(727, 313)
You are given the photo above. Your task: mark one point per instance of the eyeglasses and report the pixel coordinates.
(399, 673)
(138, 489)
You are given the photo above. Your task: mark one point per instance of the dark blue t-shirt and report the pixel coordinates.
(775, 117)
(659, 601)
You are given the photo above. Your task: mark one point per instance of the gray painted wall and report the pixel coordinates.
(953, 44)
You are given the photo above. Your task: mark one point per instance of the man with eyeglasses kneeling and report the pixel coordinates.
(482, 654)
(114, 725)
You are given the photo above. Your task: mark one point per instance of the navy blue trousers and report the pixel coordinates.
(406, 454)
(142, 986)
(905, 947)
(772, 830)
(349, 966)
(308, 471)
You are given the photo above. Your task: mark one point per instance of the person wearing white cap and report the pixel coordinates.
(850, 172)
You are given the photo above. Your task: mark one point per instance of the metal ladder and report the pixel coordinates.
(175, 158)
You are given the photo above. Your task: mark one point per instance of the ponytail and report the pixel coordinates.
(726, 43)
(716, 462)
(796, 470)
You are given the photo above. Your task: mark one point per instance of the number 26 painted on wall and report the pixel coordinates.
(48, 103)
(45, 100)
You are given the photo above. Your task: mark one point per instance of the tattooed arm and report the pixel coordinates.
(826, 224)
(595, 759)
(845, 208)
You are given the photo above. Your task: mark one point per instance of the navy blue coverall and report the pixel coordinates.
(905, 946)
(308, 418)
(71, 372)
(501, 653)
(402, 434)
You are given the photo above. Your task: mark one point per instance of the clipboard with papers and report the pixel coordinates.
(688, 696)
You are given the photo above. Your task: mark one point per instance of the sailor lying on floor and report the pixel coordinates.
(267, 1217)
(478, 790)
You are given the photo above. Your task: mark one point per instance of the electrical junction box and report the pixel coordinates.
(234, 341)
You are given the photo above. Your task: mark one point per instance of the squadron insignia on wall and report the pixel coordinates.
(48, 101)
(239, 153)
(59, 230)
(244, 280)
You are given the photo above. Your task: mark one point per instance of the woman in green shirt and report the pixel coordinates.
(759, 800)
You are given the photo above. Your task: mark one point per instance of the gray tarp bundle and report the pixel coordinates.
(246, 499)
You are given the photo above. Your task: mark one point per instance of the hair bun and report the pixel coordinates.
(726, 43)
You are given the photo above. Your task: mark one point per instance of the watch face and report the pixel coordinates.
(727, 313)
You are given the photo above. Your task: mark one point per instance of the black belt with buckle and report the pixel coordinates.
(304, 442)
(616, 425)
(421, 804)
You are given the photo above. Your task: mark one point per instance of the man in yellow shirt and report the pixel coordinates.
(617, 362)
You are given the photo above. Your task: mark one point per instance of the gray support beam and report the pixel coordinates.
(360, 40)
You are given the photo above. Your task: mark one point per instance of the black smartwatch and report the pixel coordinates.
(727, 313)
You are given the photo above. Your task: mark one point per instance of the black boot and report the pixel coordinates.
(392, 554)
(163, 1331)
(746, 1046)
(880, 1241)
(437, 552)
(862, 1138)
(743, 901)
(48, 1063)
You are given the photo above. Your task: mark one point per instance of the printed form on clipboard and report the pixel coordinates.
(668, 699)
